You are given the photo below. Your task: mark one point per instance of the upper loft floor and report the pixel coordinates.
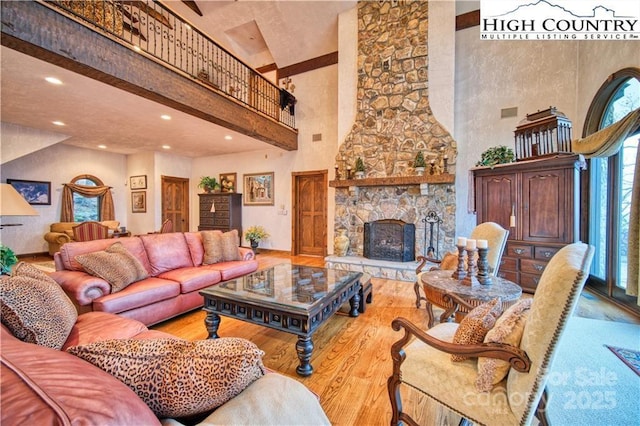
(147, 50)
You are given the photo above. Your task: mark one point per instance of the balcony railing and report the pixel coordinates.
(149, 27)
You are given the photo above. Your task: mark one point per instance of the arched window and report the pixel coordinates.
(86, 208)
(86, 198)
(609, 189)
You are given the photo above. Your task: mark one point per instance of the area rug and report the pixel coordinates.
(629, 357)
(588, 385)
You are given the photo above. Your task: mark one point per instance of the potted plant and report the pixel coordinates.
(496, 155)
(208, 183)
(7, 259)
(254, 234)
(359, 168)
(419, 163)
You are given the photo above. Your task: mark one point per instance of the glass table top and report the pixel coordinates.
(296, 287)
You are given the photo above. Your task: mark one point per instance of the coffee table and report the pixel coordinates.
(295, 299)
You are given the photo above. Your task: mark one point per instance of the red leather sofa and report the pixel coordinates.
(176, 274)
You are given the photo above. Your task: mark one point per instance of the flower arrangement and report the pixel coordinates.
(208, 183)
(256, 233)
(496, 155)
(7, 259)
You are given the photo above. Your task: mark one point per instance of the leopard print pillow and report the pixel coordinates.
(475, 326)
(115, 265)
(178, 378)
(35, 308)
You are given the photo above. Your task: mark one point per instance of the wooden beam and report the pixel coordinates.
(267, 68)
(310, 65)
(193, 6)
(468, 20)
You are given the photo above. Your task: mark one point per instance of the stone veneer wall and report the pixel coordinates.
(394, 122)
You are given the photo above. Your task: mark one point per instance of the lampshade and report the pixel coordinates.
(14, 204)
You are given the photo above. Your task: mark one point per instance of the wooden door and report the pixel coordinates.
(497, 196)
(175, 202)
(544, 206)
(309, 232)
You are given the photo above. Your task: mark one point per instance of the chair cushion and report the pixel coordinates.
(508, 329)
(35, 308)
(474, 327)
(115, 265)
(177, 378)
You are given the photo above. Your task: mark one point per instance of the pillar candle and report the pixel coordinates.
(471, 244)
(482, 244)
(462, 241)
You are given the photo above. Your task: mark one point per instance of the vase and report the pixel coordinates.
(254, 245)
(341, 243)
(419, 171)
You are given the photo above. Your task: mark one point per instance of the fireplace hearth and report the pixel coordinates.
(390, 239)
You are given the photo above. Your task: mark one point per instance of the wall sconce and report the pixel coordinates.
(14, 204)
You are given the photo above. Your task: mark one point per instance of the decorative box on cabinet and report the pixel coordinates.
(543, 197)
(227, 214)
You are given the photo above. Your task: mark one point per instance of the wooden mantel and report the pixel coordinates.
(394, 181)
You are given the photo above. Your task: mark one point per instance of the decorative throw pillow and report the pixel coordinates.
(508, 329)
(474, 327)
(212, 243)
(35, 308)
(115, 265)
(178, 378)
(230, 243)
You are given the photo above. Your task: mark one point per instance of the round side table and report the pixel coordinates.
(437, 284)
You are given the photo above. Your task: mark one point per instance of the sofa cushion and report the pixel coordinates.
(231, 270)
(115, 265)
(193, 278)
(177, 378)
(141, 293)
(97, 326)
(508, 329)
(166, 252)
(230, 244)
(194, 242)
(476, 324)
(35, 308)
(212, 243)
(69, 251)
(42, 386)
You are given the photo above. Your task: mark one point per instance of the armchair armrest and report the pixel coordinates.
(81, 287)
(57, 237)
(423, 261)
(246, 253)
(516, 357)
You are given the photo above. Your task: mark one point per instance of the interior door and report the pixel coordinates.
(175, 202)
(310, 213)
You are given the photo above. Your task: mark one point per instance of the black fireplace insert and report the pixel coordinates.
(390, 239)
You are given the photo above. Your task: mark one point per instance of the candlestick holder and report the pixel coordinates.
(460, 273)
(472, 269)
(483, 267)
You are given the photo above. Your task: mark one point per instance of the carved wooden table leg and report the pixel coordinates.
(212, 322)
(304, 347)
(416, 289)
(355, 304)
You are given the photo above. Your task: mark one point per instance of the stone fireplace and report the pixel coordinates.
(393, 123)
(390, 239)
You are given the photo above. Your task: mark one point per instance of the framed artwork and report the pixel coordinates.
(258, 189)
(139, 202)
(228, 182)
(34, 191)
(138, 182)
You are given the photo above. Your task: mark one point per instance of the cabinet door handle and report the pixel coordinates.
(547, 254)
(538, 267)
(519, 251)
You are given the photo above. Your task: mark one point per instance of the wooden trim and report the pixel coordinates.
(193, 6)
(310, 65)
(468, 20)
(394, 181)
(267, 68)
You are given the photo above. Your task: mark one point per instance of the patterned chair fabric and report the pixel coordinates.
(88, 231)
(167, 226)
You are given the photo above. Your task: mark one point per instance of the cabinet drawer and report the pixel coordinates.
(531, 266)
(221, 215)
(545, 253)
(206, 221)
(529, 281)
(508, 264)
(509, 275)
(519, 250)
(221, 223)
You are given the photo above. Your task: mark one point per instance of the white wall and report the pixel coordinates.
(59, 164)
(137, 165)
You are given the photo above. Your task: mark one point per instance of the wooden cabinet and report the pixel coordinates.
(227, 214)
(543, 197)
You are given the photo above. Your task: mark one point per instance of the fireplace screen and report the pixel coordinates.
(390, 239)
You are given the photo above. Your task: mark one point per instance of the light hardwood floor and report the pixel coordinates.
(351, 357)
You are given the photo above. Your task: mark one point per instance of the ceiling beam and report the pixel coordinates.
(468, 20)
(310, 65)
(193, 6)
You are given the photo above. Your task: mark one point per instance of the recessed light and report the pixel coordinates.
(102, 146)
(228, 137)
(58, 123)
(53, 80)
(166, 147)
(165, 117)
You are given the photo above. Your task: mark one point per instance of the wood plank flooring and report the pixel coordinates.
(351, 357)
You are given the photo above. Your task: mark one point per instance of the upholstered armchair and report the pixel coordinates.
(423, 360)
(496, 237)
(62, 232)
(88, 231)
(166, 227)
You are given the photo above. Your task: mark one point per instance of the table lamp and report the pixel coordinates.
(13, 204)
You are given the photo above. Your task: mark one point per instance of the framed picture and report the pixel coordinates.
(138, 182)
(139, 202)
(34, 191)
(228, 182)
(258, 189)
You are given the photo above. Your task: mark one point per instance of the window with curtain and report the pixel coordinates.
(610, 188)
(86, 198)
(86, 208)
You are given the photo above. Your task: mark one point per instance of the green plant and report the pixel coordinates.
(496, 155)
(7, 259)
(359, 165)
(208, 183)
(256, 233)
(419, 160)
